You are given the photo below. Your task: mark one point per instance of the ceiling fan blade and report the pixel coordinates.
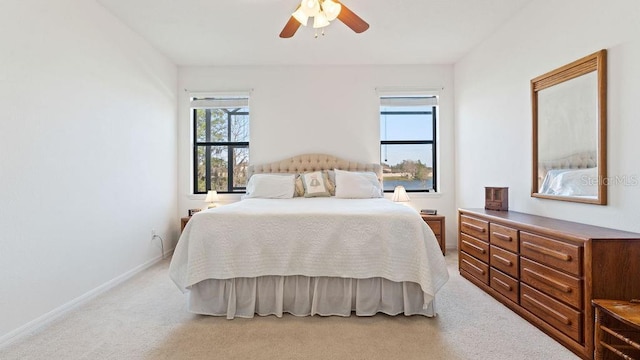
(290, 29)
(352, 20)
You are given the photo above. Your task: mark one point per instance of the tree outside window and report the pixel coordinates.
(221, 144)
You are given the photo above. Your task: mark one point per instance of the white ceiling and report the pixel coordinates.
(245, 32)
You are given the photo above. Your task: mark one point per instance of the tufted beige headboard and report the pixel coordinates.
(313, 162)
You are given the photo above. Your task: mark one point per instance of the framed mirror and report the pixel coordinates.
(569, 131)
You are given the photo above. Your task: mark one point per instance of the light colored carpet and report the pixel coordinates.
(145, 318)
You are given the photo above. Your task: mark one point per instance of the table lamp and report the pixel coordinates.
(212, 197)
(400, 194)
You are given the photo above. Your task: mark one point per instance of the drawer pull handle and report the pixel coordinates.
(543, 250)
(482, 272)
(474, 227)
(502, 237)
(503, 260)
(549, 281)
(548, 310)
(502, 283)
(474, 247)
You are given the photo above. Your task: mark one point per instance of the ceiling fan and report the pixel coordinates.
(322, 11)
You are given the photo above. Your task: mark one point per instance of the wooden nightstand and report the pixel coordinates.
(436, 223)
(617, 329)
(183, 222)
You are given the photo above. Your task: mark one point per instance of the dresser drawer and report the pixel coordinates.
(505, 261)
(504, 237)
(504, 284)
(552, 282)
(560, 316)
(474, 267)
(553, 253)
(474, 247)
(474, 227)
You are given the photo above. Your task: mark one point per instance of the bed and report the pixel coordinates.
(337, 254)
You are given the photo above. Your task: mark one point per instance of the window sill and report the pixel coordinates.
(222, 196)
(425, 195)
(418, 195)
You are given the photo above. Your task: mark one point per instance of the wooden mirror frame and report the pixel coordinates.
(594, 62)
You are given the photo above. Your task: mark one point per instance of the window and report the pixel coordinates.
(408, 142)
(220, 143)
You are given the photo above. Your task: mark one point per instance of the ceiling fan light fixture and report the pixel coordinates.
(320, 21)
(323, 13)
(300, 16)
(311, 8)
(331, 9)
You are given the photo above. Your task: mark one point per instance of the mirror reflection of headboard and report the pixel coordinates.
(583, 160)
(569, 107)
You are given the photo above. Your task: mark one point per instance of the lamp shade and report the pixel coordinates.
(212, 196)
(331, 9)
(320, 21)
(400, 194)
(301, 16)
(310, 7)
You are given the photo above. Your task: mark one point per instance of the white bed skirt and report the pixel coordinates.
(304, 296)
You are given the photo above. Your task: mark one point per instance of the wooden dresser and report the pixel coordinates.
(548, 270)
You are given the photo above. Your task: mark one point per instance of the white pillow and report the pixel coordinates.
(357, 185)
(271, 186)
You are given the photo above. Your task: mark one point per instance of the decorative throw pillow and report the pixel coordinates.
(357, 185)
(330, 181)
(314, 184)
(299, 186)
(271, 186)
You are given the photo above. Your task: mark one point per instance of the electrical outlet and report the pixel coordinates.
(155, 236)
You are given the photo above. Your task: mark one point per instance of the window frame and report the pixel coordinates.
(434, 142)
(208, 144)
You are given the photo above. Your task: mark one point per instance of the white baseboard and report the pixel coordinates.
(56, 313)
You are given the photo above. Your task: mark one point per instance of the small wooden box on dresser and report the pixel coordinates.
(548, 270)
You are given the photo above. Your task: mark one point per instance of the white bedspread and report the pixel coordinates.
(350, 238)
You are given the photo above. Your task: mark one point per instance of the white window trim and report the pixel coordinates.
(417, 91)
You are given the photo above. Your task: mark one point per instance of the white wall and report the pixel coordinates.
(493, 105)
(87, 155)
(325, 109)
